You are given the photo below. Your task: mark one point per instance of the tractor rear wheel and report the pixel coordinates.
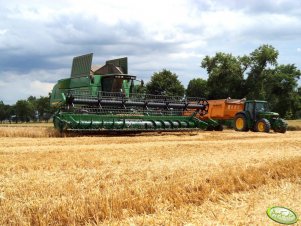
(263, 125)
(240, 123)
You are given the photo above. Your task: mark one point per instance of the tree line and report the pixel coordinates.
(32, 109)
(254, 76)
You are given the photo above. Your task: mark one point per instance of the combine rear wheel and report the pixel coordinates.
(263, 125)
(240, 123)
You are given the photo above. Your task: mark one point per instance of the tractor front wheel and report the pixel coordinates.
(280, 130)
(263, 125)
(240, 123)
(280, 126)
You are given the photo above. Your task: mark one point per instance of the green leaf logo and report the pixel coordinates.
(282, 215)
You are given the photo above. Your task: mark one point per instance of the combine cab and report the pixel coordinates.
(108, 98)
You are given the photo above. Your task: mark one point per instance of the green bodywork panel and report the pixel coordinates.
(81, 65)
(85, 85)
(82, 122)
(121, 62)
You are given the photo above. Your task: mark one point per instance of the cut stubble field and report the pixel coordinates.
(196, 178)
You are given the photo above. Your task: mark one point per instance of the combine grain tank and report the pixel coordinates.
(108, 98)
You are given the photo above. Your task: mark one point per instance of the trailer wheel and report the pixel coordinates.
(240, 123)
(263, 125)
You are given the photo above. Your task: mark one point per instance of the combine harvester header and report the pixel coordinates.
(108, 98)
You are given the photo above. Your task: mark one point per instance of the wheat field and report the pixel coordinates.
(196, 178)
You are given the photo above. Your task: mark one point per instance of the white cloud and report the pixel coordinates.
(298, 49)
(10, 92)
(42, 88)
(39, 39)
(3, 31)
(15, 86)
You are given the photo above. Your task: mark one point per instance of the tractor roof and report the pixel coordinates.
(256, 101)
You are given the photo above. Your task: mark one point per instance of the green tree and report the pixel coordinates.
(33, 101)
(265, 80)
(43, 107)
(281, 89)
(165, 83)
(4, 111)
(225, 76)
(197, 88)
(260, 61)
(297, 106)
(24, 110)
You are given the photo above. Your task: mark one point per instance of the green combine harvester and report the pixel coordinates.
(108, 98)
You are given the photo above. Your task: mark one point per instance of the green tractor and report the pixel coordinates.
(257, 118)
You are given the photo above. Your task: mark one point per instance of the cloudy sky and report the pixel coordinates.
(38, 39)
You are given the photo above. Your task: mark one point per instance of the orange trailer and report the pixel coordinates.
(223, 109)
(220, 112)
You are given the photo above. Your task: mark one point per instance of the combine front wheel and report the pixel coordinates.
(219, 127)
(263, 125)
(240, 123)
(209, 128)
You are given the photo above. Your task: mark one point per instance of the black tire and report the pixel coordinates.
(209, 128)
(240, 123)
(282, 128)
(263, 125)
(219, 127)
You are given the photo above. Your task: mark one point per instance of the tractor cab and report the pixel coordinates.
(258, 118)
(259, 109)
(256, 108)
